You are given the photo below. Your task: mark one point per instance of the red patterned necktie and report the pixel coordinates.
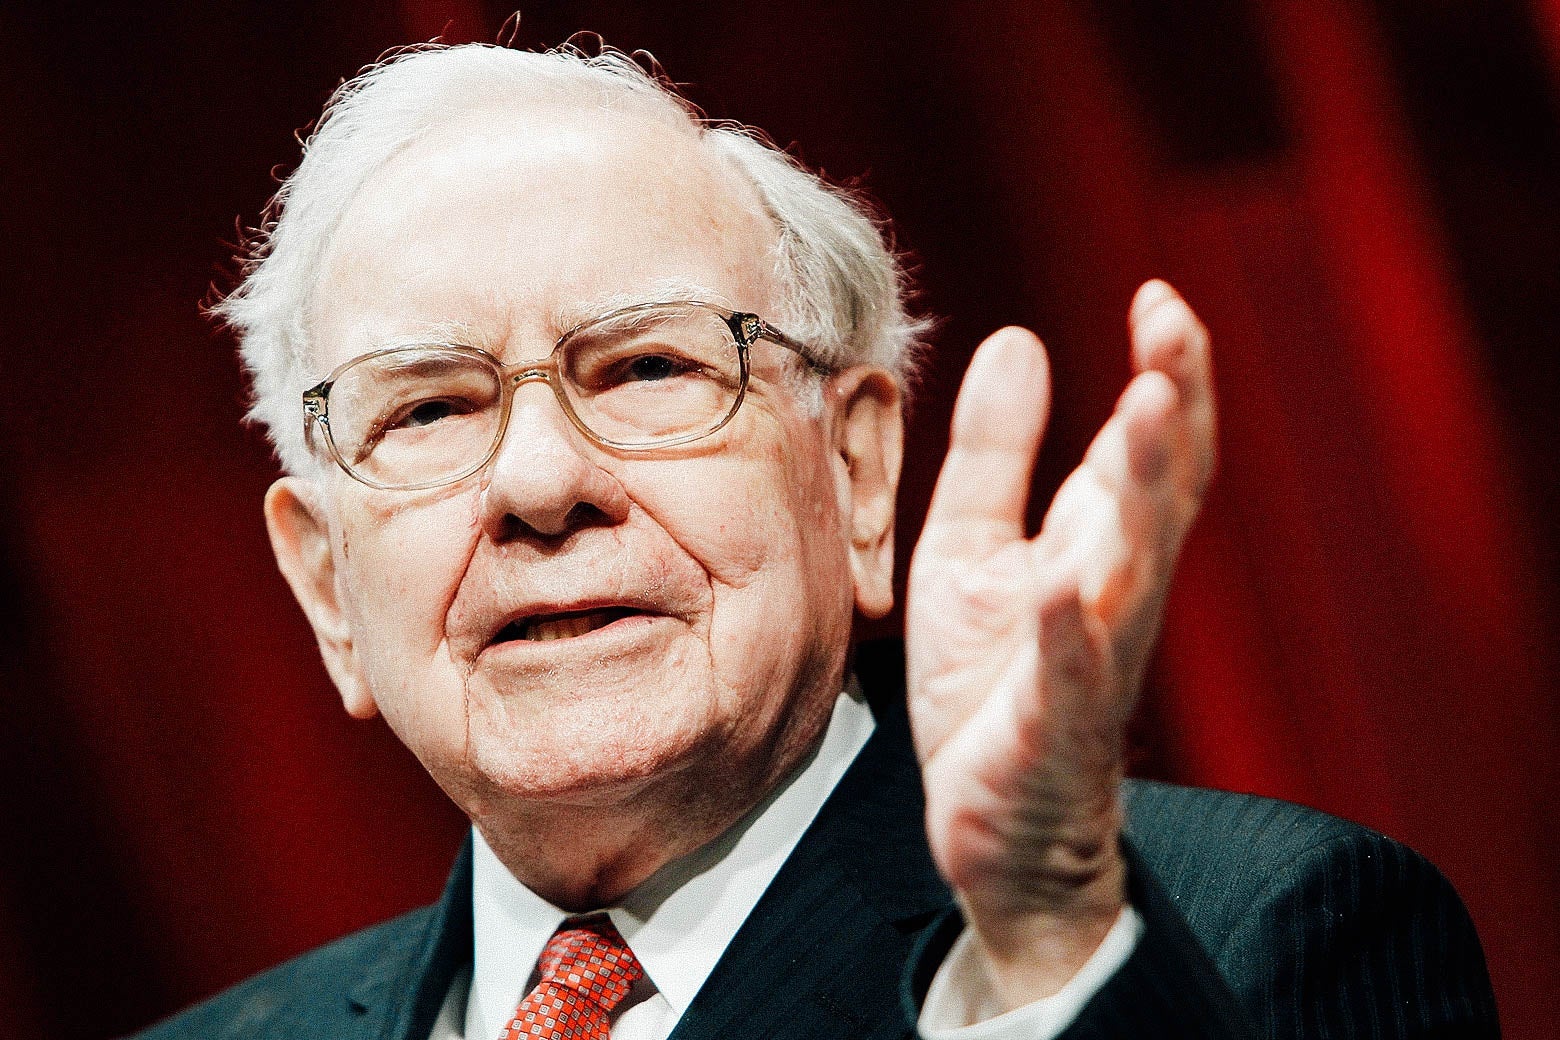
(586, 971)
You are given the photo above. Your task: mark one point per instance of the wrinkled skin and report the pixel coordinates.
(1025, 654)
(589, 762)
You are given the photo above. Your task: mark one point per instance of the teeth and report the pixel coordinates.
(569, 627)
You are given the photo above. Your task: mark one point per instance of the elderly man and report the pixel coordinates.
(591, 419)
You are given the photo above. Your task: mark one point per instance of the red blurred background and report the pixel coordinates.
(1362, 199)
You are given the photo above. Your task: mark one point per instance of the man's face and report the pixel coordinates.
(573, 625)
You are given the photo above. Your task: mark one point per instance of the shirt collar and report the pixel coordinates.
(680, 920)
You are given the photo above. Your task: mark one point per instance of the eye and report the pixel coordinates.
(636, 367)
(415, 415)
(426, 413)
(650, 368)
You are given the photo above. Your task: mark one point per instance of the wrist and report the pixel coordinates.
(1030, 952)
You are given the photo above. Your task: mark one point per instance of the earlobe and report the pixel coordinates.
(869, 436)
(300, 537)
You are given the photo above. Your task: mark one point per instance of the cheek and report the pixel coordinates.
(402, 569)
(766, 530)
(749, 518)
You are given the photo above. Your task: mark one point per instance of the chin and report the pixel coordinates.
(578, 764)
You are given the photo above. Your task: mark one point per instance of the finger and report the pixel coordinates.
(1130, 459)
(1167, 337)
(997, 424)
(1080, 699)
(1148, 420)
(1157, 508)
(1115, 525)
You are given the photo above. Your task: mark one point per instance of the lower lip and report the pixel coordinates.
(623, 629)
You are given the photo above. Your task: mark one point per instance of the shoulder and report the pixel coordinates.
(1223, 856)
(1182, 830)
(308, 996)
(1297, 908)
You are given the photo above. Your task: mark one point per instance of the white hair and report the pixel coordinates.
(843, 291)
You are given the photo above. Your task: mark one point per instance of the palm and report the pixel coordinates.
(1025, 653)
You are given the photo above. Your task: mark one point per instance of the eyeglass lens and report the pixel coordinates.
(637, 378)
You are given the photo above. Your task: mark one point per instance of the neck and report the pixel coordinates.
(588, 855)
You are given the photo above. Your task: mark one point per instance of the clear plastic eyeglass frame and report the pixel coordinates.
(745, 328)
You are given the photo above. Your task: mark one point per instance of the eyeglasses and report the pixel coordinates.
(654, 375)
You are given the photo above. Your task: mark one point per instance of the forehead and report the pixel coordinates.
(512, 224)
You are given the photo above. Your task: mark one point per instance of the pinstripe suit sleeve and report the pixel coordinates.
(1360, 937)
(1265, 919)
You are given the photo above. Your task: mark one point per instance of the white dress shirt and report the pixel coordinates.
(680, 921)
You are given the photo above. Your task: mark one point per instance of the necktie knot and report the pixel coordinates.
(591, 959)
(586, 970)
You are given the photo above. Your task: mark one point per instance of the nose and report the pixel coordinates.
(546, 480)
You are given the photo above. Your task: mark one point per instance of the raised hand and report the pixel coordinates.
(1025, 655)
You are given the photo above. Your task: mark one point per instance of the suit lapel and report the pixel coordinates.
(823, 953)
(398, 994)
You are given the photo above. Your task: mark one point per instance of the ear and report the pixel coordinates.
(300, 537)
(869, 439)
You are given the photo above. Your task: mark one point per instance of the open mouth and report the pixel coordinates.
(566, 625)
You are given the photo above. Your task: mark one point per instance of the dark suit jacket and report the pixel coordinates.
(1263, 919)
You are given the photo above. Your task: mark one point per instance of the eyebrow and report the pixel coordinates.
(666, 290)
(421, 359)
(576, 312)
(435, 334)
